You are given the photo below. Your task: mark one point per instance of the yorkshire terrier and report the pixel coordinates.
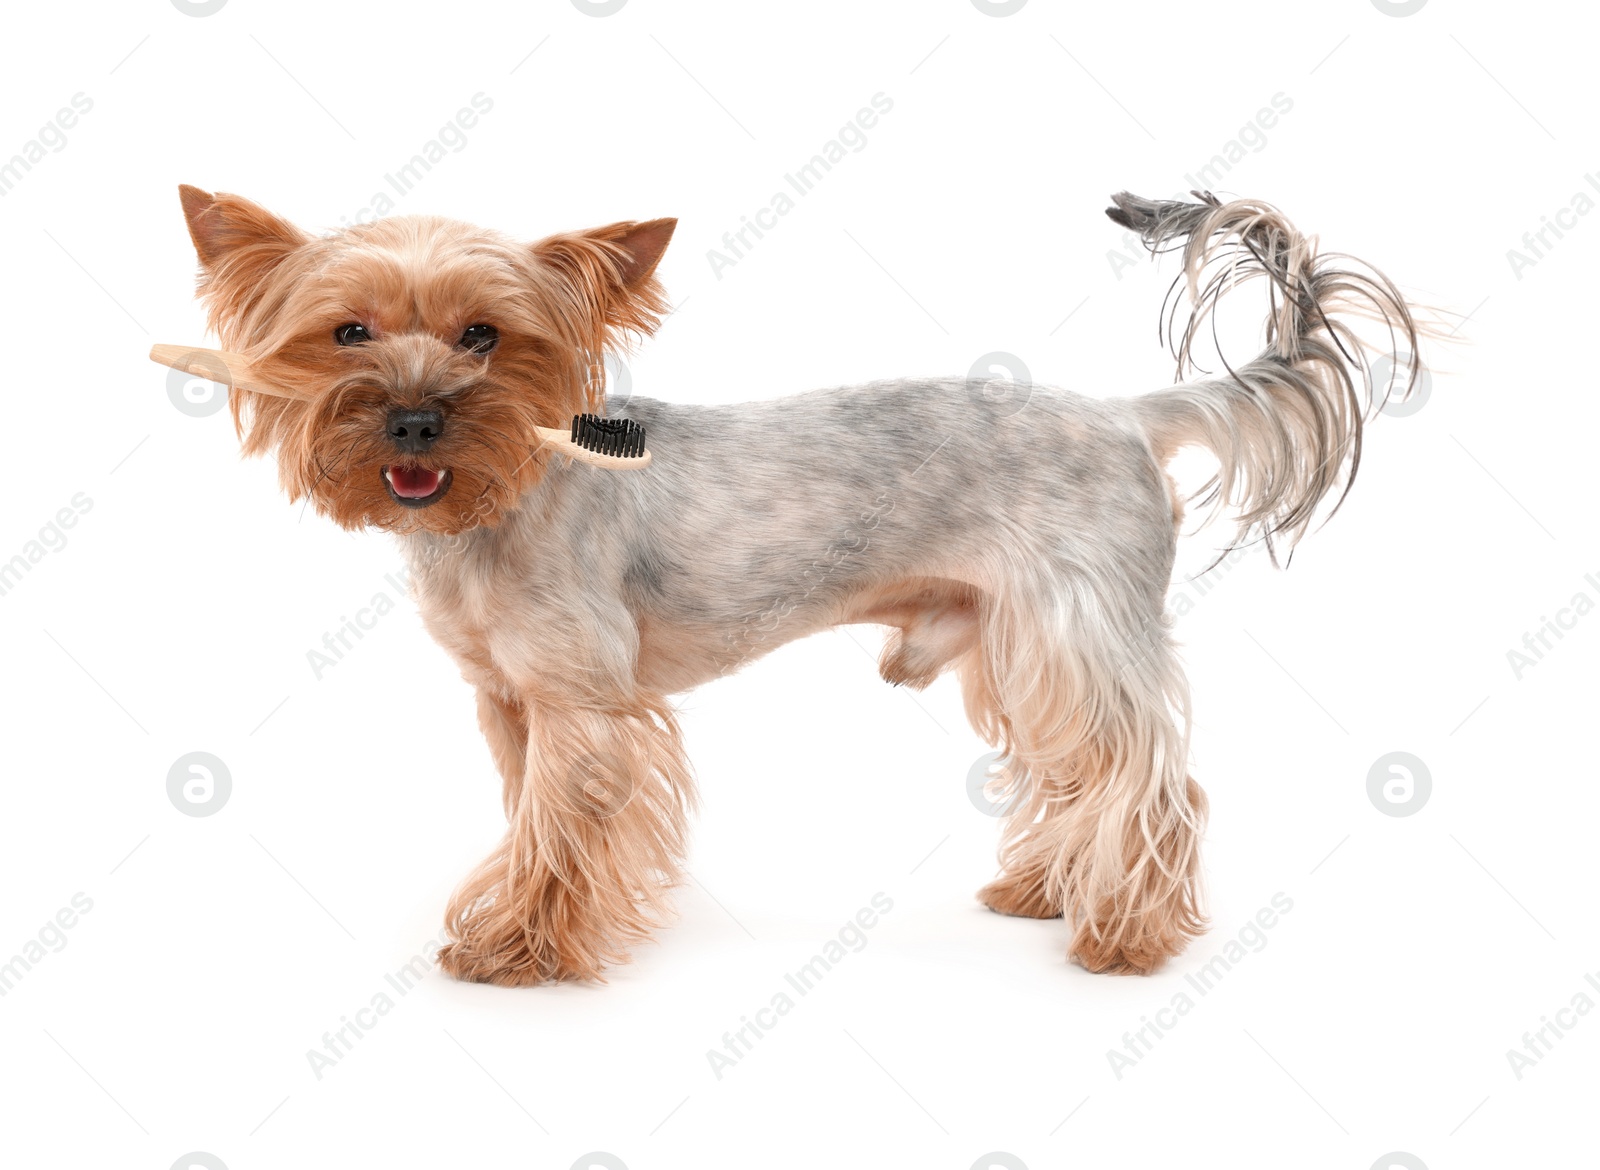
(1028, 545)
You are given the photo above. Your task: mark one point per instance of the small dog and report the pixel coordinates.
(1029, 549)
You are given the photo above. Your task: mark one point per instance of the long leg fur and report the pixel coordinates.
(1082, 690)
(1078, 682)
(596, 836)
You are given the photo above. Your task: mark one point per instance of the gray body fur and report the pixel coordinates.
(762, 522)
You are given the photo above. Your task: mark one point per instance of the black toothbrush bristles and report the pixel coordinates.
(621, 437)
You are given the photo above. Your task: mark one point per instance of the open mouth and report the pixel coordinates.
(416, 487)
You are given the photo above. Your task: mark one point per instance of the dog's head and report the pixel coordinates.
(422, 352)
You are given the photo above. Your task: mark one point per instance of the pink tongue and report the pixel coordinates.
(413, 482)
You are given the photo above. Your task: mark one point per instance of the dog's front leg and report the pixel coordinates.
(595, 840)
(504, 722)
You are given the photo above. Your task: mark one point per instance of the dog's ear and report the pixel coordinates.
(641, 244)
(233, 234)
(612, 269)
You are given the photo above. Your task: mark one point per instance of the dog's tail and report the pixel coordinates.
(1285, 426)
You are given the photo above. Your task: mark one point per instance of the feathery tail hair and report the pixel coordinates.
(1286, 426)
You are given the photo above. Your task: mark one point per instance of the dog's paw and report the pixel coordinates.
(1130, 953)
(507, 951)
(1019, 895)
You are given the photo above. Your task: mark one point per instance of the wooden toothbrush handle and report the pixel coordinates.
(227, 368)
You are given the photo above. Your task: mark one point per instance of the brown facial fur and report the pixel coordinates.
(276, 294)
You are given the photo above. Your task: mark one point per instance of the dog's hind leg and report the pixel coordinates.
(1080, 686)
(1022, 889)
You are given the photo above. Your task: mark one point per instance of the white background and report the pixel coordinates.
(178, 616)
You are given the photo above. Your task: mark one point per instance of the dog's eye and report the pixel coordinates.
(352, 334)
(479, 338)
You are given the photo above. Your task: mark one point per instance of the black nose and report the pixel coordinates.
(414, 431)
